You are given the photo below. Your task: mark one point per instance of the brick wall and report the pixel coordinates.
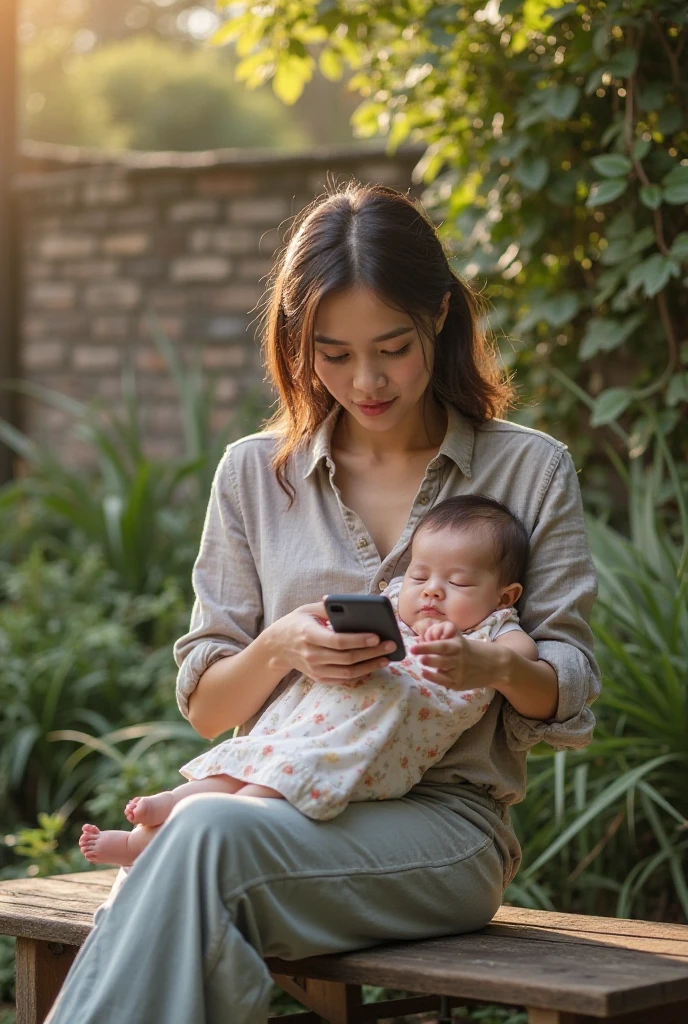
(189, 236)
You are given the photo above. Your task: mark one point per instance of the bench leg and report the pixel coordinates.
(334, 1001)
(41, 969)
(670, 1013)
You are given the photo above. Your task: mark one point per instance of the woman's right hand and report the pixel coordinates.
(301, 640)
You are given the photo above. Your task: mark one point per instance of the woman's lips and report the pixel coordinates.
(376, 408)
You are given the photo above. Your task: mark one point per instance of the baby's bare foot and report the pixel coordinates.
(105, 847)
(149, 810)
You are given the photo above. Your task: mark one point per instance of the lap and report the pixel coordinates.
(420, 866)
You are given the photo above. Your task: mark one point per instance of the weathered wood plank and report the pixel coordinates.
(676, 1013)
(41, 969)
(507, 970)
(553, 920)
(568, 963)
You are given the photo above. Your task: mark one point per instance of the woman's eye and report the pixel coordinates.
(399, 351)
(333, 359)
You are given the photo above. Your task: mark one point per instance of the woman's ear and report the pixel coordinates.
(510, 595)
(444, 310)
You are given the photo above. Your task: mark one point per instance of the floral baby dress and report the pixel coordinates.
(322, 746)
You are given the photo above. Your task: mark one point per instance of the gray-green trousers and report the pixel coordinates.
(227, 881)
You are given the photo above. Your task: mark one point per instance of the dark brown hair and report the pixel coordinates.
(374, 236)
(508, 532)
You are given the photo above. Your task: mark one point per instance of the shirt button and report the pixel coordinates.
(382, 585)
(423, 500)
(362, 542)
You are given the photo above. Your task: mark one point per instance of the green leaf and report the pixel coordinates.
(670, 121)
(653, 274)
(562, 100)
(532, 172)
(678, 175)
(641, 147)
(609, 406)
(623, 64)
(607, 191)
(611, 165)
(679, 247)
(605, 334)
(676, 195)
(561, 310)
(677, 390)
(652, 96)
(290, 77)
(331, 65)
(651, 196)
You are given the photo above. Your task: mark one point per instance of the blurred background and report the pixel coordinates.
(153, 156)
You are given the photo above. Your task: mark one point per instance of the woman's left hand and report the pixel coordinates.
(450, 660)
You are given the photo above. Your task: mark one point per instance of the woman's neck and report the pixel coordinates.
(418, 432)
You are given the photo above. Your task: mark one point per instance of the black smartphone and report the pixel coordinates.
(365, 613)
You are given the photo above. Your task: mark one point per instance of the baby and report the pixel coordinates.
(322, 746)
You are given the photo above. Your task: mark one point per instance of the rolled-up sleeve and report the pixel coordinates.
(228, 609)
(559, 592)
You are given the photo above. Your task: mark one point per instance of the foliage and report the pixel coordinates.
(556, 163)
(143, 93)
(145, 516)
(617, 842)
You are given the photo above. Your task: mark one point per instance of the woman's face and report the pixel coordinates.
(367, 353)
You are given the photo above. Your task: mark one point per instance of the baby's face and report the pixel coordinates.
(451, 578)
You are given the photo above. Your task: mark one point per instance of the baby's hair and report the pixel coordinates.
(508, 532)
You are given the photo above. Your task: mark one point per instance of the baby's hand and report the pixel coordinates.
(439, 631)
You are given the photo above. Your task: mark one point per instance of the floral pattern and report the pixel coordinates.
(370, 740)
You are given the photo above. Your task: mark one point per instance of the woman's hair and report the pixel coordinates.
(376, 237)
(509, 535)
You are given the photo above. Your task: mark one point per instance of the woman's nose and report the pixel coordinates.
(368, 380)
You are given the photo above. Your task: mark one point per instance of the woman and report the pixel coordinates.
(389, 395)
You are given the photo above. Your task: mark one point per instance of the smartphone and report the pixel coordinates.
(365, 613)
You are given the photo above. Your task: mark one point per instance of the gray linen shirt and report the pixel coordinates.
(259, 560)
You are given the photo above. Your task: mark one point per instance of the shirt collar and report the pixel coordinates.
(457, 444)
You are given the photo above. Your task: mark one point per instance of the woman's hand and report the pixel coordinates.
(302, 640)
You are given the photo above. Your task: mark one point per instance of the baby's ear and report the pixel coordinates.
(510, 595)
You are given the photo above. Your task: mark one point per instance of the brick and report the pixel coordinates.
(162, 448)
(223, 327)
(108, 386)
(200, 268)
(225, 240)
(95, 357)
(388, 173)
(134, 216)
(171, 326)
(167, 298)
(92, 270)
(236, 298)
(89, 219)
(270, 241)
(193, 209)
(227, 357)
(268, 210)
(227, 389)
(149, 360)
(110, 327)
(42, 355)
(35, 271)
(163, 419)
(162, 186)
(106, 193)
(131, 243)
(60, 247)
(113, 295)
(227, 183)
(52, 295)
(254, 270)
(147, 269)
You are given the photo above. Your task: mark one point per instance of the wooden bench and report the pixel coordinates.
(565, 968)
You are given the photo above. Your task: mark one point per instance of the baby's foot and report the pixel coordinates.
(105, 847)
(149, 810)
